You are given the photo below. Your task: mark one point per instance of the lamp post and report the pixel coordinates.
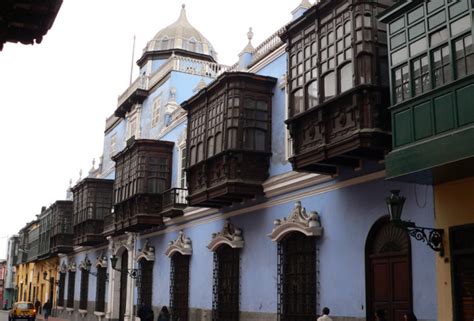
(133, 273)
(431, 236)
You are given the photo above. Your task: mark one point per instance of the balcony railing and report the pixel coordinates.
(174, 201)
(267, 46)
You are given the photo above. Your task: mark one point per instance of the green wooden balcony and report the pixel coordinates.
(433, 135)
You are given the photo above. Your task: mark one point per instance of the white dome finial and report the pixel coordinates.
(249, 48)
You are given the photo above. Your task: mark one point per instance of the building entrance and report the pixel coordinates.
(388, 271)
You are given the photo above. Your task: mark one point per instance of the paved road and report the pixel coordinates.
(4, 315)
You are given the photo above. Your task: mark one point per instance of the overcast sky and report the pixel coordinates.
(55, 96)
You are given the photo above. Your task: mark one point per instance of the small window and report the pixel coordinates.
(200, 152)
(438, 37)
(329, 85)
(367, 20)
(313, 94)
(401, 83)
(218, 144)
(298, 106)
(345, 77)
(464, 56)
(441, 66)
(421, 75)
(232, 138)
(210, 146)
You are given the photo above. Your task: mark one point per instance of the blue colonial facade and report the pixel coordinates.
(308, 228)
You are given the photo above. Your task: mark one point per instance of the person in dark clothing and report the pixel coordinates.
(38, 306)
(145, 313)
(47, 309)
(164, 314)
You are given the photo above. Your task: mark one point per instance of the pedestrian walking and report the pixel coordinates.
(164, 314)
(409, 316)
(145, 313)
(325, 316)
(380, 315)
(47, 309)
(38, 306)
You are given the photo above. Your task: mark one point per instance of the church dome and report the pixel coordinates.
(181, 35)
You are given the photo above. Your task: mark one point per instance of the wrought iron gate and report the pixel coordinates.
(226, 289)
(298, 275)
(179, 287)
(145, 282)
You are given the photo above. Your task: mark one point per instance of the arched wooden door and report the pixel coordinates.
(388, 271)
(123, 285)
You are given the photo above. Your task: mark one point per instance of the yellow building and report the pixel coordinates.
(47, 269)
(454, 205)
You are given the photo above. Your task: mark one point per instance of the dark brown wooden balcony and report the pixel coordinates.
(174, 202)
(61, 227)
(338, 87)
(229, 139)
(142, 174)
(92, 200)
(25, 21)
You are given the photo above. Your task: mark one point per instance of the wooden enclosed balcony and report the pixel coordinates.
(229, 139)
(338, 87)
(92, 200)
(61, 227)
(142, 174)
(174, 202)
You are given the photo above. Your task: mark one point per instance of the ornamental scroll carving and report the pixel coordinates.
(229, 235)
(85, 264)
(63, 268)
(101, 261)
(147, 253)
(297, 221)
(182, 245)
(71, 267)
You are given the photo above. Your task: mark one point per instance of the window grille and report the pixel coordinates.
(61, 285)
(70, 289)
(84, 289)
(226, 289)
(145, 283)
(179, 287)
(100, 294)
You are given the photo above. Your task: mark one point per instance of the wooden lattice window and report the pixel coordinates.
(61, 286)
(298, 287)
(464, 56)
(226, 284)
(84, 289)
(70, 288)
(179, 287)
(145, 289)
(100, 294)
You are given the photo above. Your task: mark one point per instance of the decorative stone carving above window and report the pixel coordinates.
(71, 267)
(182, 245)
(147, 253)
(85, 264)
(63, 268)
(229, 235)
(297, 221)
(101, 261)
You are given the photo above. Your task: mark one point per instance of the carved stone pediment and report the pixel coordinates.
(72, 267)
(85, 264)
(182, 245)
(297, 221)
(229, 235)
(63, 268)
(147, 253)
(101, 261)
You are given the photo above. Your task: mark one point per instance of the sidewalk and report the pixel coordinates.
(41, 317)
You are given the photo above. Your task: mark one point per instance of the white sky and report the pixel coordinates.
(55, 96)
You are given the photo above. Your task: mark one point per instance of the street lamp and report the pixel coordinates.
(87, 265)
(431, 236)
(133, 273)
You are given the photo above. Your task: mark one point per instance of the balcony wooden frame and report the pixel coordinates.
(338, 91)
(229, 128)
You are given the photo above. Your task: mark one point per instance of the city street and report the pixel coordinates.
(4, 317)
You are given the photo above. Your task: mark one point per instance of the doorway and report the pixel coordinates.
(388, 271)
(462, 249)
(123, 285)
